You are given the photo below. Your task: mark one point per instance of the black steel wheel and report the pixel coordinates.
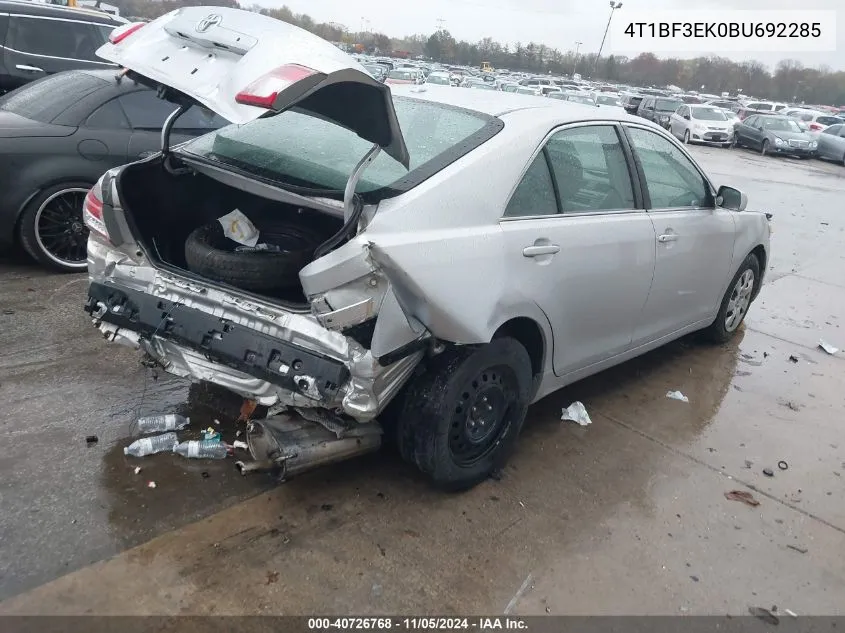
(463, 413)
(51, 228)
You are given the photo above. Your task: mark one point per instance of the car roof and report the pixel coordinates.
(54, 11)
(500, 104)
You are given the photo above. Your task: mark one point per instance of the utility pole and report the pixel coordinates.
(575, 65)
(613, 7)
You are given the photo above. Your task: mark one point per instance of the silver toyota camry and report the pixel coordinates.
(415, 259)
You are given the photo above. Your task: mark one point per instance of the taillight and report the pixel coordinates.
(815, 127)
(263, 91)
(92, 210)
(122, 32)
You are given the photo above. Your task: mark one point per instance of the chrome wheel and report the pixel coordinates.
(59, 230)
(739, 301)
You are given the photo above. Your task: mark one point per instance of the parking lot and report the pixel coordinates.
(625, 516)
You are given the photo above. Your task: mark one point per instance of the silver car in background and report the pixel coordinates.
(831, 142)
(427, 260)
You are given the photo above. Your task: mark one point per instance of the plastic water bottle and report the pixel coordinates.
(161, 423)
(202, 449)
(150, 445)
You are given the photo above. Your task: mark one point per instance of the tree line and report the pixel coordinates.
(790, 81)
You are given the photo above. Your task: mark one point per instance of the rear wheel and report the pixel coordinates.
(736, 301)
(461, 417)
(51, 228)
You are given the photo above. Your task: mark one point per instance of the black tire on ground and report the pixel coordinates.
(686, 137)
(764, 148)
(208, 252)
(719, 331)
(51, 230)
(461, 417)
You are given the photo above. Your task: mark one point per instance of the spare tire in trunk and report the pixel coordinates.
(209, 253)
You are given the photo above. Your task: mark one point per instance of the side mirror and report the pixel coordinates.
(687, 117)
(730, 198)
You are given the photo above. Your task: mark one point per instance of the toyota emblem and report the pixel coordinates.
(208, 21)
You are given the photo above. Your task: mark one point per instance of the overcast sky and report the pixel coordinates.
(556, 23)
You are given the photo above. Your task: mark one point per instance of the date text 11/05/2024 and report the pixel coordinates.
(417, 624)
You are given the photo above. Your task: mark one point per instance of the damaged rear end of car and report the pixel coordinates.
(303, 320)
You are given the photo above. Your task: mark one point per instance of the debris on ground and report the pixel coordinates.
(789, 404)
(790, 613)
(768, 472)
(204, 474)
(151, 445)
(137, 469)
(743, 496)
(793, 358)
(202, 449)
(161, 423)
(764, 614)
(151, 484)
(272, 576)
(217, 422)
(247, 409)
(676, 395)
(800, 550)
(210, 435)
(783, 465)
(748, 463)
(830, 349)
(90, 440)
(576, 412)
(240, 444)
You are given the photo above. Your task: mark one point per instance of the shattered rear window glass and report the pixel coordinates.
(294, 146)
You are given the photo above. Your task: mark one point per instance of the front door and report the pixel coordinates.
(580, 245)
(694, 240)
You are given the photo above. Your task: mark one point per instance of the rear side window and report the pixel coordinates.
(146, 111)
(54, 38)
(108, 116)
(535, 194)
(828, 120)
(43, 100)
(4, 23)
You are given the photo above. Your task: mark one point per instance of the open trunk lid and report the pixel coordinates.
(243, 65)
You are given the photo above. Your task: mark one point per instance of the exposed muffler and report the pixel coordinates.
(288, 445)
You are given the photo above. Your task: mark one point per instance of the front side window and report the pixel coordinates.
(535, 194)
(828, 120)
(751, 121)
(55, 38)
(671, 178)
(590, 170)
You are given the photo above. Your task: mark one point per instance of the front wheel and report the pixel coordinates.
(462, 415)
(764, 148)
(686, 137)
(736, 301)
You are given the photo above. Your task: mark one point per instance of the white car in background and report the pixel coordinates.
(701, 124)
(816, 121)
(609, 100)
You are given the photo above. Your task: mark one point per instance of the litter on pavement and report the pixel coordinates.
(577, 413)
(765, 615)
(137, 469)
(90, 440)
(240, 444)
(151, 484)
(830, 349)
(161, 423)
(676, 395)
(742, 496)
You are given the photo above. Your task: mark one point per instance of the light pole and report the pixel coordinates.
(613, 7)
(575, 65)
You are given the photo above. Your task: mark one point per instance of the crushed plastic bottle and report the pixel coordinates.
(202, 449)
(151, 445)
(161, 423)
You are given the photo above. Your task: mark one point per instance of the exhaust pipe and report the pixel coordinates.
(290, 445)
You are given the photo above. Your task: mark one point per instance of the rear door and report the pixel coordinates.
(694, 241)
(832, 143)
(579, 243)
(36, 46)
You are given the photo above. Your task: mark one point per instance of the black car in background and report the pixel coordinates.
(37, 40)
(775, 134)
(58, 135)
(631, 103)
(658, 109)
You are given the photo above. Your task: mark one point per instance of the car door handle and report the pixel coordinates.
(667, 237)
(537, 251)
(29, 69)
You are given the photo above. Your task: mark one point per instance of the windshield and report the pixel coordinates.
(708, 114)
(604, 100)
(526, 91)
(780, 125)
(828, 120)
(668, 105)
(581, 99)
(300, 149)
(480, 86)
(438, 79)
(763, 107)
(405, 75)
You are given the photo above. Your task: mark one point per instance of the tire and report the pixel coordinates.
(724, 328)
(208, 252)
(437, 430)
(764, 148)
(51, 229)
(727, 145)
(686, 137)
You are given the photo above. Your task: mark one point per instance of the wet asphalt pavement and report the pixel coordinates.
(628, 515)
